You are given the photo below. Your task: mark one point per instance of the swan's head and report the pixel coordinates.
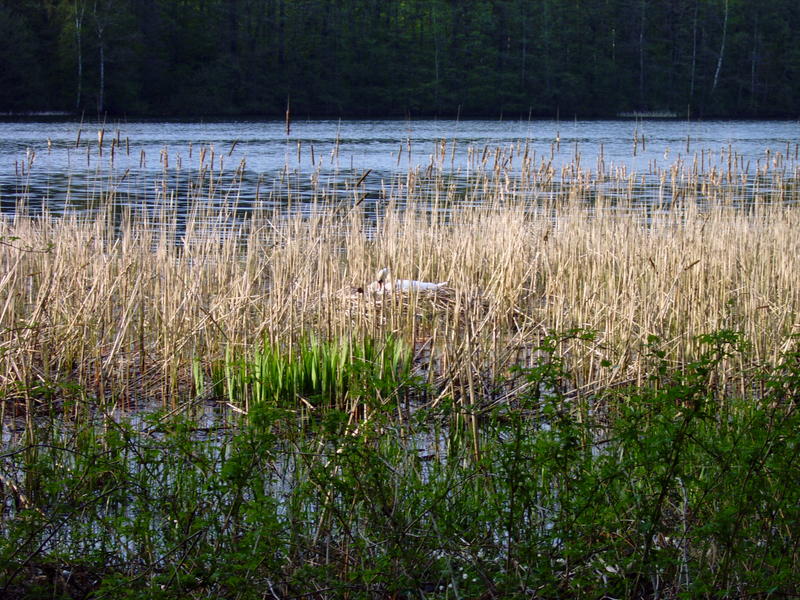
(382, 276)
(382, 283)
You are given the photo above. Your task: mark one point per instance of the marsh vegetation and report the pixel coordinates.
(198, 400)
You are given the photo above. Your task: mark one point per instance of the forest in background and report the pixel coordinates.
(379, 58)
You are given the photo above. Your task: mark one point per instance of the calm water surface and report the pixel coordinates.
(50, 163)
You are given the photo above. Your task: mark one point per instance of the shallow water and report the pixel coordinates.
(53, 163)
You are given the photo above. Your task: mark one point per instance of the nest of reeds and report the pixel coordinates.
(363, 300)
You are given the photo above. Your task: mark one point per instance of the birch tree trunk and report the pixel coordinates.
(641, 54)
(100, 18)
(102, 91)
(721, 49)
(79, 12)
(694, 52)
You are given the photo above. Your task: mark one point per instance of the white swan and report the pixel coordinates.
(384, 284)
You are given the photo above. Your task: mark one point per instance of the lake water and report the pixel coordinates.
(50, 162)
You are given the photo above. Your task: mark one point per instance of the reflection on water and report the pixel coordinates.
(255, 165)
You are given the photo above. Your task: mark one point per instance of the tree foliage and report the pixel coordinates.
(418, 57)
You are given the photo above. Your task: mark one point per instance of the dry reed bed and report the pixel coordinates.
(113, 303)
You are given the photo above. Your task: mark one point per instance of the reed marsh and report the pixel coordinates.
(449, 443)
(122, 298)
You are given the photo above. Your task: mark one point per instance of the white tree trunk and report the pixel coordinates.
(102, 92)
(721, 48)
(79, 43)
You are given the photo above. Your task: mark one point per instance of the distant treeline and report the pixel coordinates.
(702, 58)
